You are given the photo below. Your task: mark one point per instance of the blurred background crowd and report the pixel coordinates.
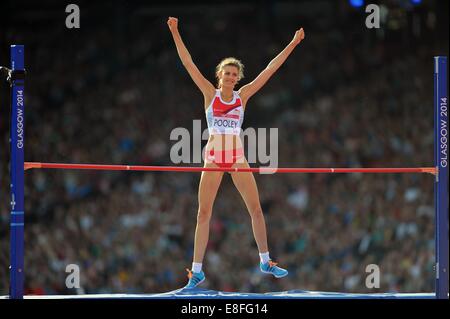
(113, 90)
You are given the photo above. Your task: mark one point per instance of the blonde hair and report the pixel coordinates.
(233, 62)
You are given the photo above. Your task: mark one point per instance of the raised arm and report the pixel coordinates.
(203, 84)
(251, 88)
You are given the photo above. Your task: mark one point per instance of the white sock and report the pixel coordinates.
(264, 257)
(196, 267)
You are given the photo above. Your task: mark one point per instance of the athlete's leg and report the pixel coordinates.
(209, 184)
(246, 185)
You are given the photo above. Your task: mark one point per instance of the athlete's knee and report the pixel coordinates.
(256, 212)
(204, 214)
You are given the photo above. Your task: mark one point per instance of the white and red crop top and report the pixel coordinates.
(225, 117)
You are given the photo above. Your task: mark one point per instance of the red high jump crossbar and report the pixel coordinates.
(102, 167)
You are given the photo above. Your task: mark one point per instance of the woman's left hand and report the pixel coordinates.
(299, 36)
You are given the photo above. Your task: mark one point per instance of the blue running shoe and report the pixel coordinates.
(271, 268)
(195, 278)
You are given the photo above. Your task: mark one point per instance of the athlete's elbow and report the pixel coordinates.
(271, 69)
(187, 61)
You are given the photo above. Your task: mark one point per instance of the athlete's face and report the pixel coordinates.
(229, 75)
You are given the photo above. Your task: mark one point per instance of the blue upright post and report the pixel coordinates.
(17, 172)
(441, 163)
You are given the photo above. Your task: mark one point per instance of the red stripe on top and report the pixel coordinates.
(228, 116)
(220, 109)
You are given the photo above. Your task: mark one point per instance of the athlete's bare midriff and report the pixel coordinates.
(223, 142)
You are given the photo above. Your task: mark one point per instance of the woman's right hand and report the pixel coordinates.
(172, 23)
